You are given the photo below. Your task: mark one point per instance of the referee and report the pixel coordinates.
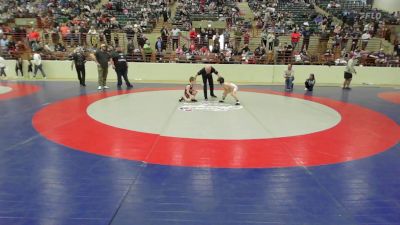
(121, 67)
(206, 74)
(79, 60)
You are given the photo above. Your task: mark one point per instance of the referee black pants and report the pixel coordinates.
(80, 71)
(210, 82)
(122, 73)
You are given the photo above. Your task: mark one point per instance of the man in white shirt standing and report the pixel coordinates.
(175, 37)
(364, 40)
(2, 68)
(37, 62)
(348, 73)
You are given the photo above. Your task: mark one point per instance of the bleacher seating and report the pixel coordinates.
(298, 13)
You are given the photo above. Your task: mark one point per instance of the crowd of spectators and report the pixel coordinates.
(63, 25)
(143, 13)
(282, 16)
(211, 10)
(298, 19)
(360, 23)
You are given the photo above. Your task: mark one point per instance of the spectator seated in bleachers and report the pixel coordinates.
(394, 61)
(380, 57)
(59, 48)
(302, 57)
(189, 10)
(333, 4)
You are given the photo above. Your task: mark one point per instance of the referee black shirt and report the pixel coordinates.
(120, 61)
(204, 73)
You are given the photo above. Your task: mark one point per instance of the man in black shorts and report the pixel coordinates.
(206, 74)
(348, 73)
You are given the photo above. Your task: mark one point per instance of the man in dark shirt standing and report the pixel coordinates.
(79, 60)
(121, 67)
(306, 38)
(206, 74)
(102, 59)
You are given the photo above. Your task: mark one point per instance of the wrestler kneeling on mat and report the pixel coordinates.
(189, 94)
(229, 88)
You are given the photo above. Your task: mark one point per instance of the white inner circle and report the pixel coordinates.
(4, 89)
(259, 116)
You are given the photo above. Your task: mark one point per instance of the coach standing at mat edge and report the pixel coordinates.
(102, 59)
(79, 60)
(206, 74)
(121, 67)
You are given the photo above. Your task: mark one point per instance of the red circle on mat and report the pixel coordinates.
(18, 90)
(361, 133)
(393, 97)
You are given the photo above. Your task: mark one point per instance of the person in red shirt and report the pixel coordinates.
(193, 35)
(65, 33)
(33, 36)
(295, 38)
(204, 50)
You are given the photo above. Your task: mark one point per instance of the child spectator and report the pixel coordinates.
(310, 82)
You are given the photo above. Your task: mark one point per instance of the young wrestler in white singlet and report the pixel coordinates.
(229, 88)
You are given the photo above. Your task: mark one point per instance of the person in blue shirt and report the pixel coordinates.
(306, 38)
(159, 46)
